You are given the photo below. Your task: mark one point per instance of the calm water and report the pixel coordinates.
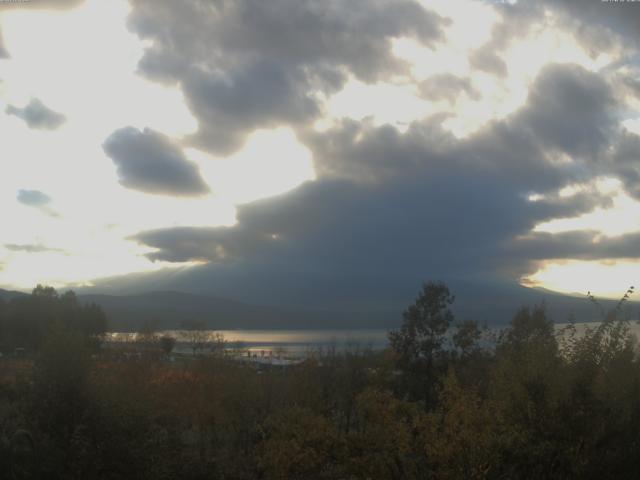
(294, 343)
(299, 343)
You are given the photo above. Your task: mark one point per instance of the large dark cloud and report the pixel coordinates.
(342, 245)
(245, 64)
(391, 209)
(338, 236)
(264, 94)
(37, 115)
(569, 112)
(150, 162)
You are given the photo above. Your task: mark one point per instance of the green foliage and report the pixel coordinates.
(299, 444)
(466, 337)
(425, 323)
(419, 343)
(541, 403)
(26, 321)
(459, 437)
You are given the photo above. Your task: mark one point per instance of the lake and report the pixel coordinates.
(290, 343)
(299, 343)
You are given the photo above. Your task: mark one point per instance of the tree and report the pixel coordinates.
(61, 389)
(196, 335)
(466, 337)
(299, 444)
(167, 342)
(458, 437)
(147, 334)
(218, 344)
(421, 338)
(3, 320)
(530, 325)
(425, 324)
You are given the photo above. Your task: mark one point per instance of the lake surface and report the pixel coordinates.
(300, 343)
(290, 343)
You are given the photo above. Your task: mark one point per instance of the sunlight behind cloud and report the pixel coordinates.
(385, 103)
(270, 162)
(83, 66)
(608, 279)
(620, 219)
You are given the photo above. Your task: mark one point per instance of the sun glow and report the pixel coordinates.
(607, 279)
(619, 219)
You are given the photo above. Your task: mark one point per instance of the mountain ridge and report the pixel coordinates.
(169, 309)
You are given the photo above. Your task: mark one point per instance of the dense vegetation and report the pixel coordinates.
(442, 402)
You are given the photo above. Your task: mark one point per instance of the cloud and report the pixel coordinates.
(487, 60)
(33, 198)
(30, 248)
(619, 17)
(448, 87)
(599, 26)
(516, 21)
(569, 119)
(340, 244)
(150, 162)
(36, 199)
(624, 160)
(248, 64)
(40, 4)
(576, 245)
(390, 209)
(37, 115)
(3, 51)
(262, 95)
(572, 110)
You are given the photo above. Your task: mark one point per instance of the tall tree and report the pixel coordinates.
(420, 340)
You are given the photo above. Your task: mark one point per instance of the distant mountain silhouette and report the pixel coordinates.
(7, 295)
(493, 306)
(496, 304)
(489, 304)
(168, 309)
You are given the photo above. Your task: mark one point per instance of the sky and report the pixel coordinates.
(326, 152)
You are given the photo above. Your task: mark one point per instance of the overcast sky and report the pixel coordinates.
(320, 148)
